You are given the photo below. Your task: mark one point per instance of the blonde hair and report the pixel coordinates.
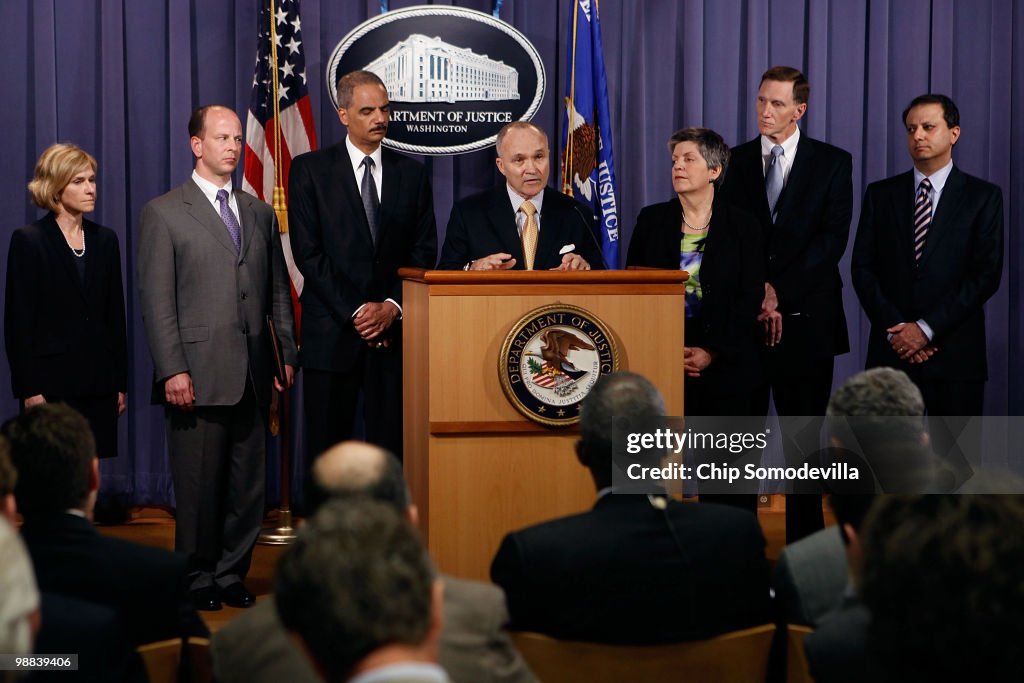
(54, 170)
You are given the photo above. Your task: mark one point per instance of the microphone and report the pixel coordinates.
(587, 229)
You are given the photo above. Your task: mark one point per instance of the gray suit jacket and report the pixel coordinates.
(475, 648)
(205, 305)
(810, 577)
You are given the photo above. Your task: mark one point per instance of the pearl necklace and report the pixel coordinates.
(79, 253)
(694, 227)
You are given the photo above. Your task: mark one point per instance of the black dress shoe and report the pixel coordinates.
(237, 595)
(206, 599)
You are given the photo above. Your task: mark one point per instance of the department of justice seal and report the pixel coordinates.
(551, 359)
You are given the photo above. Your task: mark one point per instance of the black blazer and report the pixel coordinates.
(616, 574)
(331, 243)
(805, 244)
(485, 224)
(145, 585)
(65, 337)
(731, 277)
(958, 271)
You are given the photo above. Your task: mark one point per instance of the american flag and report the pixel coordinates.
(266, 164)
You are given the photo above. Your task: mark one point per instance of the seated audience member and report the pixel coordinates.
(813, 574)
(358, 589)
(58, 625)
(877, 417)
(635, 568)
(836, 650)
(942, 581)
(58, 477)
(474, 647)
(19, 598)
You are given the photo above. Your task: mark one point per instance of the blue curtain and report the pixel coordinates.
(120, 77)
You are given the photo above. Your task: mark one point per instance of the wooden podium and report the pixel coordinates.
(477, 467)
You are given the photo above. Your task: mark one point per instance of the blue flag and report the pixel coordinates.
(588, 164)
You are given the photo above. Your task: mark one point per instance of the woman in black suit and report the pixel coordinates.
(64, 312)
(720, 247)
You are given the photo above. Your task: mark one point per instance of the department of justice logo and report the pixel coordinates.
(551, 359)
(454, 76)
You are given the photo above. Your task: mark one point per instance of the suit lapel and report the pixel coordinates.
(552, 216)
(62, 252)
(751, 168)
(903, 209)
(503, 223)
(197, 206)
(248, 218)
(391, 179)
(799, 177)
(343, 174)
(949, 204)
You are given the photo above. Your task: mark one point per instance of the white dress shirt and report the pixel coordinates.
(789, 146)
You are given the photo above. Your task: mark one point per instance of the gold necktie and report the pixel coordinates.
(529, 233)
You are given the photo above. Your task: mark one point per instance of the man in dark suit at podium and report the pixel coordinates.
(801, 191)
(635, 569)
(521, 224)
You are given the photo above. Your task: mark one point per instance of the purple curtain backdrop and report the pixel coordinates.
(119, 77)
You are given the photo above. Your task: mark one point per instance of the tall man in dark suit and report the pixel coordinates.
(58, 477)
(357, 214)
(801, 190)
(634, 569)
(928, 255)
(522, 223)
(210, 272)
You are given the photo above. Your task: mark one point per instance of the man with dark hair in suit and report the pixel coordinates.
(357, 213)
(58, 477)
(635, 569)
(928, 255)
(474, 646)
(210, 272)
(522, 223)
(801, 190)
(359, 590)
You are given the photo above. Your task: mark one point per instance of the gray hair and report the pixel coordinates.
(877, 392)
(711, 146)
(19, 596)
(355, 579)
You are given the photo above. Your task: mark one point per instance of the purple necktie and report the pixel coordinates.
(226, 215)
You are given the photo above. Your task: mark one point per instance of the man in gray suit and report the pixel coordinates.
(474, 645)
(210, 272)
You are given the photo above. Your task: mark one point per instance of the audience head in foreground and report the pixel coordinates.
(359, 590)
(620, 394)
(53, 450)
(942, 580)
(878, 414)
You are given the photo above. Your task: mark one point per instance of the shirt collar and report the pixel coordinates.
(788, 145)
(517, 199)
(208, 189)
(357, 155)
(937, 179)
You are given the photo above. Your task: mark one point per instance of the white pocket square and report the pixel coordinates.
(566, 249)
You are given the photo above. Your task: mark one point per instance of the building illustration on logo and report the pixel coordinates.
(423, 69)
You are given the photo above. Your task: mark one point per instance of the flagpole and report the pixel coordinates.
(284, 533)
(567, 155)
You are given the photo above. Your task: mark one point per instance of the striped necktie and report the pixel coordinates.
(922, 217)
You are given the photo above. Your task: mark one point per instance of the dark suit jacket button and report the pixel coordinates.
(245, 330)
(771, 257)
(244, 296)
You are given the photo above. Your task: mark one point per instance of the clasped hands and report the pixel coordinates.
(910, 343)
(372, 320)
(503, 261)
